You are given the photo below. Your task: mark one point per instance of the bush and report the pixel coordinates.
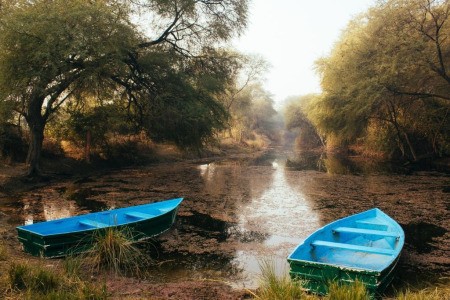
(12, 146)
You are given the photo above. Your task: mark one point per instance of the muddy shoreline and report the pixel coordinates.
(201, 257)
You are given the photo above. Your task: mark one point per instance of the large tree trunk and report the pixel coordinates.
(36, 123)
(35, 149)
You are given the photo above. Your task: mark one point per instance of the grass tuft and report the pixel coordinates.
(114, 250)
(355, 291)
(273, 287)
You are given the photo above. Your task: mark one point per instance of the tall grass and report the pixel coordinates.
(27, 281)
(23, 277)
(114, 250)
(273, 287)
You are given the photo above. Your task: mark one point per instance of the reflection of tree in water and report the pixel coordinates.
(44, 205)
(334, 163)
(235, 184)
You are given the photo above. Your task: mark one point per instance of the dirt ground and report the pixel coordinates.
(206, 228)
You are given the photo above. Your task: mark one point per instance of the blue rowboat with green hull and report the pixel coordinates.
(75, 234)
(364, 247)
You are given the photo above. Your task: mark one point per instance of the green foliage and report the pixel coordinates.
(295, 114)
(184, 109)
(389, 68)
(58, 52)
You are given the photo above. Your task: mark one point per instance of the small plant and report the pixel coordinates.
(355, 291)
(273, 287)
(114, 250)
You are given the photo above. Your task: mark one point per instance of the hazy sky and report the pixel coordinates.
(291, 35)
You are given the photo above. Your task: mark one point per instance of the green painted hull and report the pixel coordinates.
(58, 245)
(316, 276)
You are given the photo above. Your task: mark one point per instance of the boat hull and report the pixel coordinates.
(364, 247)
(68, 243)
(317, 277)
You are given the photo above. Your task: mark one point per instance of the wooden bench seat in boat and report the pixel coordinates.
(352, 247)
(371, 223)
(366, 231)
(139, 215)
(92, 223)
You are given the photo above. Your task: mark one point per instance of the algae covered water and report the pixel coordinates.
(237, 213)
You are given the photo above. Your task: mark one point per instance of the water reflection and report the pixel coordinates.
(334, 163)
(283, 214)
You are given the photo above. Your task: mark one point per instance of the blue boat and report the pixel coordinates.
(364, 247)
(75, 234)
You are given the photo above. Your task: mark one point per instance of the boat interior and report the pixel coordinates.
(370, 242)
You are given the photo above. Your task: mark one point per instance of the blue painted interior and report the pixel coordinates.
(115, 217)
(369, 240)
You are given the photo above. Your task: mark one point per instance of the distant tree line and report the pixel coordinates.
(386, 84)
(85, 69)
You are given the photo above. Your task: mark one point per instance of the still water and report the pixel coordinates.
(238, 213)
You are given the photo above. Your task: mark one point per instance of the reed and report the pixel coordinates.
(114, 250)
(273, 287)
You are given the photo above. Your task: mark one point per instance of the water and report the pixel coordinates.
(238, 213)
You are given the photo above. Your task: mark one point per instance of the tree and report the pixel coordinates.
(296, 118)
(54, 51)
(390, 67)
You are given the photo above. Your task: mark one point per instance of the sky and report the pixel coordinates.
(291, 35)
